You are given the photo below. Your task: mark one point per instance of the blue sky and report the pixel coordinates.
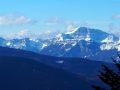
(38, 16)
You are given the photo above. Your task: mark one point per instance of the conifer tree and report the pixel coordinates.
(110, 77)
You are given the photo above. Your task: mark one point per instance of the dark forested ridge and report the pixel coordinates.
(25, 74)
(76, 65)
(86, 69)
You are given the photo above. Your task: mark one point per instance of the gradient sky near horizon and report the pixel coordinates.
(39, 16)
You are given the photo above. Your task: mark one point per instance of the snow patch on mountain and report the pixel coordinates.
(9, 43)
(87, 38)
(67, 49)
(74, 43)
(118, 40)
(72, 31)
(108, 39)
(59, 37)
(34, 40)
(43, 46)
(110, 44)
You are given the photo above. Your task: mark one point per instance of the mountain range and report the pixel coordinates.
(22, 61)
(81, 42)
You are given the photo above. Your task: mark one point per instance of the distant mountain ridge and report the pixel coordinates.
(25, 44)
(81, 42)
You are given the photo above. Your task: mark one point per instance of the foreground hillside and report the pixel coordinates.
(25, 74)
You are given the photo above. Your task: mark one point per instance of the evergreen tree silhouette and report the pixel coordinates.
(110, 77)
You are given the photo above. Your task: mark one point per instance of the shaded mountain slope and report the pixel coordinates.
(76, 65)
(25, 74)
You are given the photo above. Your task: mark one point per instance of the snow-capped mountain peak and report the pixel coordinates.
(86, 34)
